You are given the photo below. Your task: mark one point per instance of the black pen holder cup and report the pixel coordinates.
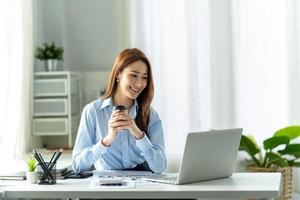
(47, 174)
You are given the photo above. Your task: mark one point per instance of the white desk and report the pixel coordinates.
(240, 185)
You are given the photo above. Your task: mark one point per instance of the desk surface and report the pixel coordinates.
(240, 185)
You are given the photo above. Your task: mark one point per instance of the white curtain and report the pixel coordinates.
(217, 64)
(261, 60)
(176, 35)
(16, 66)
(293, 29)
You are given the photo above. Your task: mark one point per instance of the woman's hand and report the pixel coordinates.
(119, 121)
(133, 128)
(115, 124)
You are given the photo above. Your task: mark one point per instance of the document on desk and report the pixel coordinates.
(131, 177)
(121, 173)
(111, 183)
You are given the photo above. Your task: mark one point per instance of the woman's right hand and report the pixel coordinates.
(116, 123)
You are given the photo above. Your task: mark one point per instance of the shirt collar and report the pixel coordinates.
(108, 102)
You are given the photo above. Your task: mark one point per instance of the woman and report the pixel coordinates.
(112, 139)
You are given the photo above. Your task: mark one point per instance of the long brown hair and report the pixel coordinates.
(122, 60)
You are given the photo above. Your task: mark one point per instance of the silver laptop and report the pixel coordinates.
(207, 155)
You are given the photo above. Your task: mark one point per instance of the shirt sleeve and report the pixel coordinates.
(86, 151)
(153, 146)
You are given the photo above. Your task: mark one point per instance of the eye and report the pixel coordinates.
(145, 78)
(133, 75)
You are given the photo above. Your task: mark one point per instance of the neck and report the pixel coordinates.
(119, 99)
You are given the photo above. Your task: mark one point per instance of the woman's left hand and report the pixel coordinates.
(131, 125)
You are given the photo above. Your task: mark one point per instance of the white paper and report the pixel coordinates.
(121, 173)
(95, 184)
(131, 177)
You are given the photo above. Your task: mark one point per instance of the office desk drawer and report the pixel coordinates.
(50, 126)
(50, 107)
(50, 87)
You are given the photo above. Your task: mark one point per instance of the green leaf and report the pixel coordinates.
(291, 131)
(291, 149)
(273, 142)
(276, 159)
(49, 51)
(248, 145)
(296, 164)
(31, 164)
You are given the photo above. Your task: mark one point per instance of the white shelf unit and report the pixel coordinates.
(56, 105)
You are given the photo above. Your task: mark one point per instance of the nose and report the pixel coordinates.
(138, 82)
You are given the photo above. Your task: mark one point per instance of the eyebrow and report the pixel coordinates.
(139, 72)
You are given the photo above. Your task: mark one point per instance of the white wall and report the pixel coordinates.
(48, 25)
(92, 84)
(91, 31)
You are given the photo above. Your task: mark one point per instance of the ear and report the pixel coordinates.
(118, 75)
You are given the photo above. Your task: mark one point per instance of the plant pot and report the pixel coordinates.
(286, 182)
(32, 177)
(51, 64)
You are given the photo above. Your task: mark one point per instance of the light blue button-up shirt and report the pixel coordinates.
(125, 152)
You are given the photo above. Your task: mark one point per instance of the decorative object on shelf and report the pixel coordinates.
(279, 154)
(31, 174)
(50, 54)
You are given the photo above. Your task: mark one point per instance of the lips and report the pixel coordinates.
(134, 90)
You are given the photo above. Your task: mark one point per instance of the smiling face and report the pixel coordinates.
(132, 80)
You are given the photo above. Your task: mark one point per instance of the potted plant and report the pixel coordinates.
(31, 174)
(279, 154)
(50, 54)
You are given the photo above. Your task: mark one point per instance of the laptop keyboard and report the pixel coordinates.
(167, 177)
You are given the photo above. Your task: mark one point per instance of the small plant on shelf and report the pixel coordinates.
(49, 51)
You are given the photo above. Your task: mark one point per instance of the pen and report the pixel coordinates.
(56, 158)
(42, 159)
(44, 168)
(52, 158)
(49, 164)
(46, 173)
